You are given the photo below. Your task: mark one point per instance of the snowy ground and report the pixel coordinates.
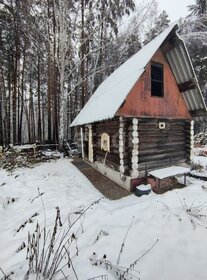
(177, 219)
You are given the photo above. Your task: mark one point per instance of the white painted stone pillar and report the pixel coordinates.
(135, 150)
(90, 143)
(82, 143)
(121, 145)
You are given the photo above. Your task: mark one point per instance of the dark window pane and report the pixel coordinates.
(157, 89)
(157, 80)
(157, 73)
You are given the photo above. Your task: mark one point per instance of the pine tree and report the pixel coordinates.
(53, 55)
(161, 23)
(194, 32)
(199, 8)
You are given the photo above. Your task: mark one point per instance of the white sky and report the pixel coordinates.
(175, 8)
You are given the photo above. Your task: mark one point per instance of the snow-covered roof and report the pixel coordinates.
(110, 95)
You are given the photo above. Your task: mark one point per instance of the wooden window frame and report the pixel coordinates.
(157, 85)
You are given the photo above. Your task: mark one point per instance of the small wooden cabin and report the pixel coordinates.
(141, 117)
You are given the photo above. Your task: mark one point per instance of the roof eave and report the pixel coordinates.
(193, 96)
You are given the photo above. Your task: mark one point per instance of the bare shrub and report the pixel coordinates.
(21, 247)
(123, 243)
(6, 276)
(120, 272)
(8, 201)
(100, 234)
(49, 253)
(99, 277)
(196, 212)
(30, 220)
(168, 210)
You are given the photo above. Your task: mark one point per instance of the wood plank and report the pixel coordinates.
(198, 113)
(161, 151)
(159, 164)
(155, 120)
(188, 85)
(161, 133)
(159, 155)
(150, 145)
(161, 141)
(163, 156)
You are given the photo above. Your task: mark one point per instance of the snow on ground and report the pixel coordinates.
(200, 162)
(177, 219)
(200, 166)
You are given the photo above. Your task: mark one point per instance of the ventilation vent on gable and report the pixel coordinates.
(161, 125)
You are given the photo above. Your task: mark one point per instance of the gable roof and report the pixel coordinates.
(110, 95)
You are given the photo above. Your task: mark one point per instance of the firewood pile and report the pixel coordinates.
(13, 158)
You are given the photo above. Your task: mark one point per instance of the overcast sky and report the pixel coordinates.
(175, 8)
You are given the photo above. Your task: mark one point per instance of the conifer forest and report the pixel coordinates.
(55, 53)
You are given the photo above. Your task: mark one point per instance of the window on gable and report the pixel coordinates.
(157, 81)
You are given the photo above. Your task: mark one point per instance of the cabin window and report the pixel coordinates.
(157, 83)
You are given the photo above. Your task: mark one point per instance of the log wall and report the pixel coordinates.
(163, 147)
(139, 145)
(119, 157)
(111, 127)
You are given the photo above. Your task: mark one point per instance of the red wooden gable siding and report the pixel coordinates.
(140, 103)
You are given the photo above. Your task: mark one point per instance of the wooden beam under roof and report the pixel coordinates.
(167, 48)
(187, 85)
(169, 44)
(198, 113)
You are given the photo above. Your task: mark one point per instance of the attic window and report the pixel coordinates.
(157, 83)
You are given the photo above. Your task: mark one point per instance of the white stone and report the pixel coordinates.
(135, 121)
(121, 169)
(135, 140)
(134, 166)
(121, 149)
(135, 152)
(134, 174)
(121, 130)
(135, 147)
(134, 159)
(121, 155)
(121, 143)
(135, 134)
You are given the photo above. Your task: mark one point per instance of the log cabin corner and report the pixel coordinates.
(142, 116)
